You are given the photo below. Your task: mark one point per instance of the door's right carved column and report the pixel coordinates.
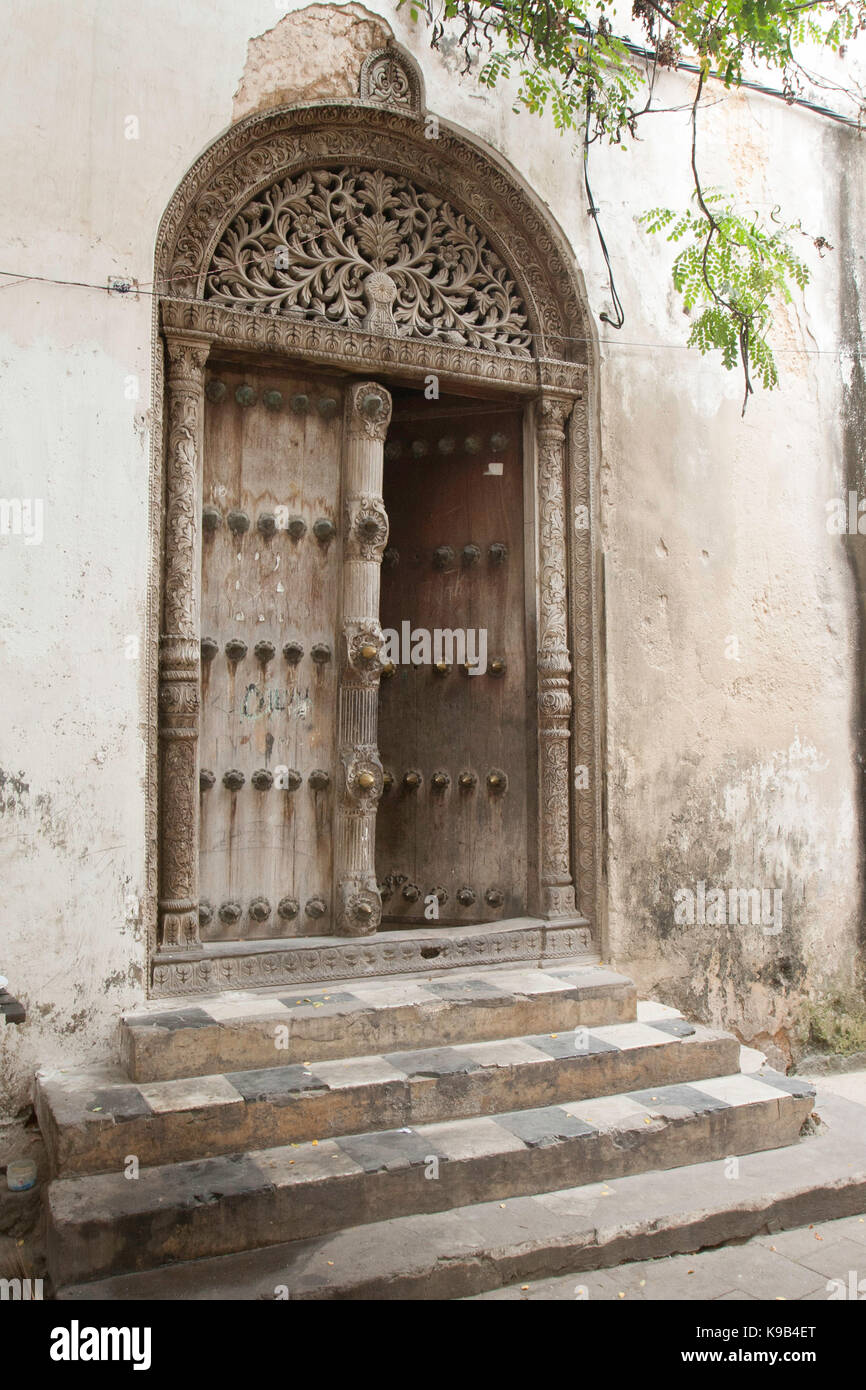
(554, 665)
(358, 901)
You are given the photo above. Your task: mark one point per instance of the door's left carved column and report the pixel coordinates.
(179, 649)
(359, 903)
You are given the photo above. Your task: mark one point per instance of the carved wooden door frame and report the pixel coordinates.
(540, 349)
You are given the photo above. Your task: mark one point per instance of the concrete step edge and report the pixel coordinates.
(92, 1118)
(102, 1224)
(475, 1249)
(236, 1030)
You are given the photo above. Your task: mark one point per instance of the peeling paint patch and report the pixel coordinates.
(14, 793)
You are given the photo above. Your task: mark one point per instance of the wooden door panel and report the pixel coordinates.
(261, 712)
(453, 478)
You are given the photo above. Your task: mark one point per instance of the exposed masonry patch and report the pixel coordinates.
(310, 55)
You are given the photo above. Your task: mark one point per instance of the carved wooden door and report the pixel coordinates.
(271, 563)
(454, 745)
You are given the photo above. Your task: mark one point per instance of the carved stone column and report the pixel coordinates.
(179, 654)
(358, 902)
(554, 665)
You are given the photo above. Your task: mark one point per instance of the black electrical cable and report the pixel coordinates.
(593, 212)
(788, 97)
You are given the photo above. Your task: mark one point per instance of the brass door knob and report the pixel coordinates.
(387, 781)
(246, 395)
(206, 779)
(494, 898)
(211, 519)
(411, 892)
(267, 525)
(441, 668)
(296, 527)
(209, 648)
(321, 653)
(233, 779)
(319, 779)
(259, 909)
(264, 651)
(389, 670)
(498, 553)
(497, 780)
(465, 897)
(230, 913)
(497, 666)
(471, 554)
(327, 407)
(467, 780)
(293, 651)
(364, 909)
(316, 907)
(293, 780)
(441, 781)
(324, 529)
(440, 895)
(369, 651)
(272, 399)
(366, 780)
(411, 779)
(238, 522)
(236, 650)
(288, 908)
(262, 779)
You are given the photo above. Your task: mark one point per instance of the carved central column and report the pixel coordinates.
(554, 665)
(359, 904)
(179, 654)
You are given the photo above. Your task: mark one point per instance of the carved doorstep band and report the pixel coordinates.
(179, 654)
(554, 665)
(359, 904)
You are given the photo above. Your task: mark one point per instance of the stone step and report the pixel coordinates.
(93, 1120)
(475, 1250)
(108, 1224)
(240, 1031)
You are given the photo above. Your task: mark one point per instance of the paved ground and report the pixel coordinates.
(820, 1262)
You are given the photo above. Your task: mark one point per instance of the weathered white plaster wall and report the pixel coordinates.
(739, 772)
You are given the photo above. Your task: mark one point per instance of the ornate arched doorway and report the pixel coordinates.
(325, 273)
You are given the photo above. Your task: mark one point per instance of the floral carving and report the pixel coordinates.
(390, 79)
(366, 527)
(325, 244)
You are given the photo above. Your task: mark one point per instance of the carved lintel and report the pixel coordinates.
(554, 664)
(179, 659)
(359, 904)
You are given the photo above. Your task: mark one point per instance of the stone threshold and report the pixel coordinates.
(223, 965)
